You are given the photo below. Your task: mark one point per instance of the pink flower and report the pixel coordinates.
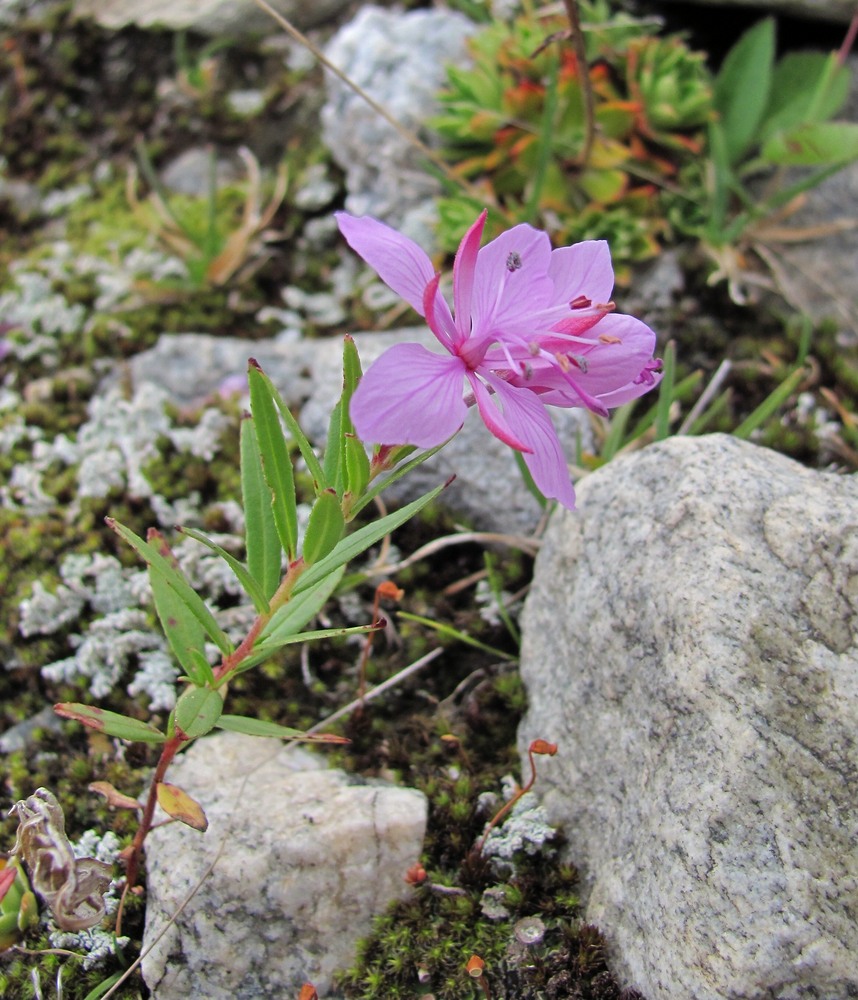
(522, 334)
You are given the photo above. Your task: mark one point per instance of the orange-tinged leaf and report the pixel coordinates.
(115, 798)
(181, 806)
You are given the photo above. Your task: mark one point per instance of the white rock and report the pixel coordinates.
(303, 859)
(690, 644)
(398, 59)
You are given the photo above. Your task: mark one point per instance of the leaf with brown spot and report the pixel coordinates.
(181, 806)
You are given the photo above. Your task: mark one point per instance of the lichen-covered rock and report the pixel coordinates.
(296, 862)
(690, 643)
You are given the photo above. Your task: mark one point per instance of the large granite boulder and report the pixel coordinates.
(691, 643)
(296, 862)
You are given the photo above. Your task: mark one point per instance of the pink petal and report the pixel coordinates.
(463, 273)
(409, 396)
(492, 416)
(611, 365)
(511, 281)
(631, 391)
(397, 260)
(530, 421)
(582, 269)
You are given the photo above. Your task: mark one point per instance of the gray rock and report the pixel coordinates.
(20, 736)
(303, 859)
(488, 491)
(398, 59)
(690, 643)
(820, 274)
(190, 173)
(216, 18)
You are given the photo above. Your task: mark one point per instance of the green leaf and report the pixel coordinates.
(806, 86)
(742, 87)
(300, 438)
(453, 633)
(814, 145)
(294, 615)
(110, 723)
(251, 587)
(333, 471)
(353, 545)
(258, 727)
(665, 394)
(261, 538)
(177, 582)
(269, 648)
(181, 627)
(324, 528)
(197, 710)
(276, 463)
(357, 466)
(771, 404)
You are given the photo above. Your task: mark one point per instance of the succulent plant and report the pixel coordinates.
(514, 124)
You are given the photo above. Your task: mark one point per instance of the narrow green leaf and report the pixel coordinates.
(529, 481)
(298, 435)
(257, 727)
(184, 633)
(665, 394)
(806, 87)
(268, 649)
(353, 545)
(357, 465)
(743, 85)
(261, 538)
(324, 528)
(197, 711)
(814, 145)
(300, 608)
(453, 633)
(276, 463)
(333, 471)
(770, 405)
(177, 582)
(110, 723)
(251, 587)
(402, 470)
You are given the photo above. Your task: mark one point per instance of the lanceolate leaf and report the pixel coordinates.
(262, 541)
(276, 463)
(324, 528)
(182, 628)
(294, 615)
(177, 582)
(257, 727)
(253, 590)
(743, 85)
(110, 723)
(266, 649)
(332, 469)
(294, 428)
(359, 541)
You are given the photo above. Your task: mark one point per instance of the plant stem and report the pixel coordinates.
(577, 38)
